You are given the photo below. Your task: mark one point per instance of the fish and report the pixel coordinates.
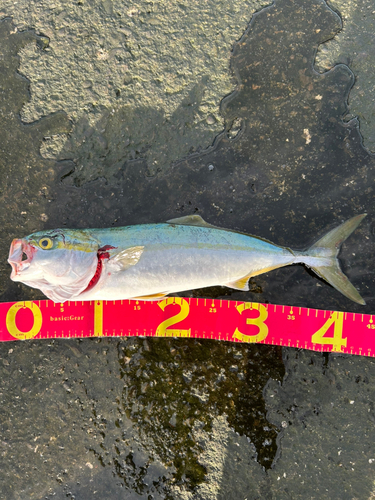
(150, 261)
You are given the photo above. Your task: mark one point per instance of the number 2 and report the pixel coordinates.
(163, 329)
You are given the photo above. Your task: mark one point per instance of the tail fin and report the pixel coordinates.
(328, 248)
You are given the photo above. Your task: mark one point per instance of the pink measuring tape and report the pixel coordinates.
(299, 327)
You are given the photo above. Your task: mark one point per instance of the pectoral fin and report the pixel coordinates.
(126, 258)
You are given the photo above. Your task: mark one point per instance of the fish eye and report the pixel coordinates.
(45, 243)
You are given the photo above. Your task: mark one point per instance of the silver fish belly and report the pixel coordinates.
(178, 257)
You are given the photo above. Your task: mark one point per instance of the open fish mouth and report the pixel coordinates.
(20, 256)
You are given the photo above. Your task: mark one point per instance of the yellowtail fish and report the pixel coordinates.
(152, 260)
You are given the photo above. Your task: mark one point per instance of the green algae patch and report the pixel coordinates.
(175, 387)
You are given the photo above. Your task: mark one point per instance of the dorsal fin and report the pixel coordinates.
(196, 220)
(191, 220)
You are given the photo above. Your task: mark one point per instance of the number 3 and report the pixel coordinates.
(259, 322)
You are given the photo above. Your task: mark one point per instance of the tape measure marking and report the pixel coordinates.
(11, 323)
(234, 321)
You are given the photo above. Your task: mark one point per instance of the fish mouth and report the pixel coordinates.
(20, 256)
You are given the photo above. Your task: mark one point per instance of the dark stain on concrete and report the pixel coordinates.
(26, 177)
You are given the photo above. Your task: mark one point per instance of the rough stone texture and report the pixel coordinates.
(104, 55)
(325, 408)
(60, 407)
(284, 155)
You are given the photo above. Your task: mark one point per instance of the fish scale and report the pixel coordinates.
(153, 260)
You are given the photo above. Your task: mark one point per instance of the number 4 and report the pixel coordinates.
(336, 340)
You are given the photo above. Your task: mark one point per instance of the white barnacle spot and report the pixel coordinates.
(102, 55)
(318, 97)
(306, 135)
(132, 12)
(217, 207)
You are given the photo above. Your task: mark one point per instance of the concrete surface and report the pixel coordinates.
(121, 95)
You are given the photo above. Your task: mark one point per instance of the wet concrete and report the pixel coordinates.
(25, 175)
(291, 155)
(168, 418)
(354, 46)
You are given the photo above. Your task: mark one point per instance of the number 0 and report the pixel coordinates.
(11, 320)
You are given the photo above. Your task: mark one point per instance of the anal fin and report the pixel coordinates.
(243, 283)
(154, 296)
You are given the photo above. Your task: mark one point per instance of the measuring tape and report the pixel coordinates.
(299, 327)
